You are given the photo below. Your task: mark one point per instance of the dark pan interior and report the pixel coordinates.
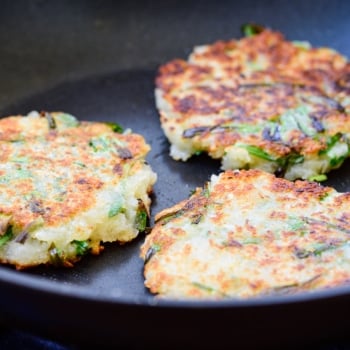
(97, 60)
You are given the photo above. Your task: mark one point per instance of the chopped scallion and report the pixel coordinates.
(82, 247)
(6, 236)
(258, 152)
(251, 29)
(318, 178)
(116, 208)
(115, 127)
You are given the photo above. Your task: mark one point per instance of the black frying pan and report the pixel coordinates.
(97, 60)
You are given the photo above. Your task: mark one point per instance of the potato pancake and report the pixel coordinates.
(259, 102)
(67, 186)
(248, 233)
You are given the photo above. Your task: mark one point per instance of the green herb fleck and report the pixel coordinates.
(6, 236)
(336, 161)
(205, 192)
(252, 240)
(99, 144)
(115, 127)
(208, 289)
(116, 208)
(298, 119)
(318, 178)
(82, 247)
(323, 196)
(192, 192)
(141, 220)
(204, 287)
(67, 120)
(242, 128)
(301, 44)
(290, 159)
(251, 29)
(258, 152)
(331, 141)
(20, 159)
(337, 149)
(323, 248)
(294, 158)
(317, 250)
(156, 247)
(22, 174)
(295, 223)
(247, 128)
(141, 217)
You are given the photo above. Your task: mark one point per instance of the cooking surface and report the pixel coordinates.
(97, 60)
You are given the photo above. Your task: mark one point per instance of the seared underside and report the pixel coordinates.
(247, 234)
(259, 102)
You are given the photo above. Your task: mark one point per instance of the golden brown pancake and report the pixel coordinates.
(67, 186)
(259, 102)
(247, 234)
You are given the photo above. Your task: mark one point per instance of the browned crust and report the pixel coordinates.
(213, 88)
(79, 190)
(322, 212)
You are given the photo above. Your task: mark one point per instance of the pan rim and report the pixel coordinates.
(58, 290)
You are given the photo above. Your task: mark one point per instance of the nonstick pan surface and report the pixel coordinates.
(97, 60)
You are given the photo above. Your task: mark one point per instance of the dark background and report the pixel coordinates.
(66, 53)
(45, 42)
